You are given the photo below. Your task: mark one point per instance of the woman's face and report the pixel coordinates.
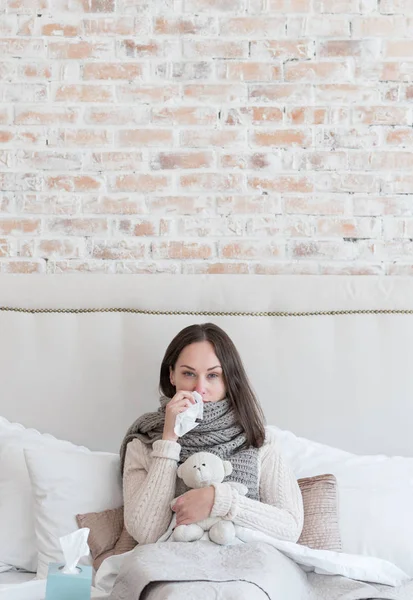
(198, 369)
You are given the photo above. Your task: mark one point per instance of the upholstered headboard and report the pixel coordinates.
(331, 358)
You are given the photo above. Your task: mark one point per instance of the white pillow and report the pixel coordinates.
(65, 484)
(4, 567)
(17, 535)
(375, 497)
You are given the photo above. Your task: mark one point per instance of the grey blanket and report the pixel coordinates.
(256, 571)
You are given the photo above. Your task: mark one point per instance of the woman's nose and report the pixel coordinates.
(200, 388)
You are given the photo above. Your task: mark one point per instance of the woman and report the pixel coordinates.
(203, 358)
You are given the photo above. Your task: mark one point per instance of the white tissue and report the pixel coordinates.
(185, 421)
(74, 546)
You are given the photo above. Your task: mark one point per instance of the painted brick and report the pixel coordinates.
(206, 136)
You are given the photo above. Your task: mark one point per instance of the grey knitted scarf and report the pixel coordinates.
(218, 433)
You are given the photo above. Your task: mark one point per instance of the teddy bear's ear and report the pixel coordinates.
(180, 472)
(227, 467)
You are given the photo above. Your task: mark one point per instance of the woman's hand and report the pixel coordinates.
(194, 506)
(180, 402)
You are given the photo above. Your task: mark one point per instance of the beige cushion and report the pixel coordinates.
(108, 535)
(321, 523)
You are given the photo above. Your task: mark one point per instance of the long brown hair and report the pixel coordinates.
(239, 392)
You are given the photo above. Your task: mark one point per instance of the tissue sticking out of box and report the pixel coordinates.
(74, 546)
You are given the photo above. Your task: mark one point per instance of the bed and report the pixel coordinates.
(329, 357)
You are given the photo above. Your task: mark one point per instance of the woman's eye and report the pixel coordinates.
(210, 375)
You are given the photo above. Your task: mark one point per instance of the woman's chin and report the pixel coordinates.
(208, 400)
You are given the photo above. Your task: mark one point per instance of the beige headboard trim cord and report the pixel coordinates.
(208, 313)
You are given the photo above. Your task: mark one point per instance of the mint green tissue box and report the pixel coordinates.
(68, 586)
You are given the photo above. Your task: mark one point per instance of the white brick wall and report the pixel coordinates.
(193, 136)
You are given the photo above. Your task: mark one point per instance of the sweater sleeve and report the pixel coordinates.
(280, 512)
(149, 488)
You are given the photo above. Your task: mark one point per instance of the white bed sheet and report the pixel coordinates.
(16, 585)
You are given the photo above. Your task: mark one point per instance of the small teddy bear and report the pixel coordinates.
(201, 470)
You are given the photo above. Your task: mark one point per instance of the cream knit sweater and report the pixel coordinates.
(149, 481)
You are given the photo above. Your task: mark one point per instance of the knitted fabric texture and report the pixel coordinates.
(218, 433)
